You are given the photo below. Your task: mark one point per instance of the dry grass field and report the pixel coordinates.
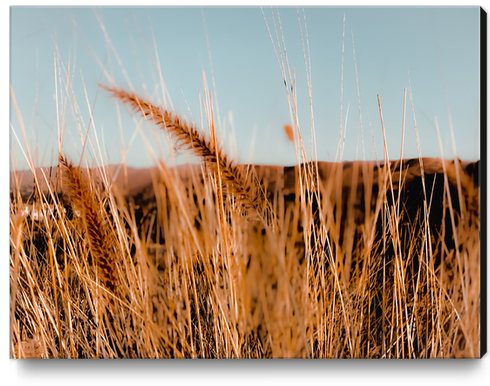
(377, 259)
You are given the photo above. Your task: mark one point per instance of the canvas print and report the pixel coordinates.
(247, 182)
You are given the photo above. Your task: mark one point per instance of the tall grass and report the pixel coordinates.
(362, 272)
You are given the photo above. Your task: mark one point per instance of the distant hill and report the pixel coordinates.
(129, 180)
(132, 181)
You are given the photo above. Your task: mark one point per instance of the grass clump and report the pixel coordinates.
(351, 267)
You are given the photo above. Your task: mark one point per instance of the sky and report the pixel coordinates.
(59, 56)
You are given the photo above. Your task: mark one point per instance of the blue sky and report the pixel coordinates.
(438, 46)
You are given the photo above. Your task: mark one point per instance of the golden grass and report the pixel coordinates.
(189, 138)
(319, 260)
(100, 243)
(350, 269)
